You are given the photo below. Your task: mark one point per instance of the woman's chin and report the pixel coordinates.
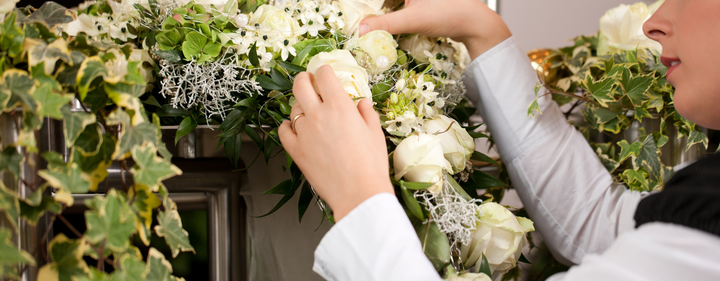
(695, 109)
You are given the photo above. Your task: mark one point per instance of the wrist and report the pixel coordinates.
(343, 207)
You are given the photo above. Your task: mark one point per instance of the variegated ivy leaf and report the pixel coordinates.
(10, 255)
(636, 180)
(158, 268)
(74, 123)
(9, 205)
(40, 52)
(131, 269)
(112, 220)
(94, 167)
(636, 88)
(170, 227)
(144, 204)
(50, 14)
(649, 158)
(696, 137)
(10, 159)
(628, 150)
(31, 213)
(600, 90)
(609, 163)
(130, 136)
(49, 103)
(69, 179)
(20, 87)
(12, 36)
(38, 73)
(91, 68)
(150, 169)
(67, 257)
(121, 94)
(162, 148)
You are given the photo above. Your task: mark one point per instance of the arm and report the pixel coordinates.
(375, 241)
(566, 190)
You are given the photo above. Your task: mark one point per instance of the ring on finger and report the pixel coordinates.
(292, 124)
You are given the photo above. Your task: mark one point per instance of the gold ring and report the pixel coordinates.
(292, 124)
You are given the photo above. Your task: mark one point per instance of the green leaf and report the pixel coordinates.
(252, 55)
(193, 45)
(170, 227)
(628, 150)
(49, 103)
(212, 49)
(416, 185)
(253, 135)
(305, 199)
(158, 268)
(696, 137)
(112, 221)
(600, 90)
(458, 188)
(91, 68)
(89, 141)
(412, 204)
(636, 180)
(649, 158)
(186, 126)
(173, 56)
(68, 263)
(269, 84)
(74, 123)
(232, 146)
(286, 188)
(636, 88)
(10, 254)
(20, 86)
(10, 205)
(131, 269)
(485, 180)
(31, 214)
(50, 14)
(291, 67)
(523, 259)
(306, 49)
(70, 179)
(281, 79)
(131, 137)
(479, 156)
(534, 106)
(144, 204)
(483, 266)
(10, 159)
(150, 169)
(435, 244)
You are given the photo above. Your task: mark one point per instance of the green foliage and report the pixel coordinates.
(434, 243)
(617, 90)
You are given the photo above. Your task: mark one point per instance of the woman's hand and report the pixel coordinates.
(467, 21)
(339, 147)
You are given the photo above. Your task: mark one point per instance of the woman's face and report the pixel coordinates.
(689, 31)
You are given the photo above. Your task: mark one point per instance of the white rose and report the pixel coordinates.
(469, 277)
(416, 46)
(276, 19)
(457, 145)
(381, 49)
(499, 235)
(621, 29)
(6, 7)
(355, 11)
(352, 76)
(419, 158)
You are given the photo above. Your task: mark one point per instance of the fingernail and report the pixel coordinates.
(364, 28)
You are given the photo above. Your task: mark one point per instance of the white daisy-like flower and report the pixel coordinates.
(119, 30)
(285, 48)
(243, 39)
(402, 125)
(314, 26)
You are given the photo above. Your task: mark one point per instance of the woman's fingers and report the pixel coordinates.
(296, 118)
(368, 113)
(288, 138)
(305, 92)
(397, 22)
(329, 87)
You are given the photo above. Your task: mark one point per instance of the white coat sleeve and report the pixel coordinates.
(375, 241)
(562, 183)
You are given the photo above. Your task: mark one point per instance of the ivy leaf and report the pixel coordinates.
(131, 269)
(31, 214)
(158, 268)
(9, 205)
(186, 126)
(636, 87)
(67, 257)
(434, 243)
(170, 227)
(10, 254)
(609, 163)
(649, 158)
(150, 169)
(600, 90)
(534, 106)
(74, 123)
(144, 204)
(90, 69)
(50, 14)
(90, 140)
(69, 179)
(636, 180)
(19, 84)
(49, 103)
(132, 136)
(696, 137)
(110, 219)
(10, 159)
(628, 150)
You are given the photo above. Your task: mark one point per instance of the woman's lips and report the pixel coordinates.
(671, 63)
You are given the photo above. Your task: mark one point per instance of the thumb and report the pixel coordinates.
(395, 23)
